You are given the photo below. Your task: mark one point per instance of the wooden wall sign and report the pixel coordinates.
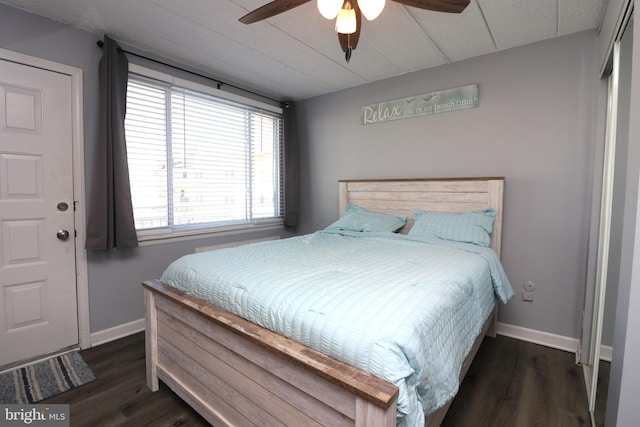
(444, 101)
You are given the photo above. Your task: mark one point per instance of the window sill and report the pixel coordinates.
(159, 237)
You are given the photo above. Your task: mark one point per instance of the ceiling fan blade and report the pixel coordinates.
(449, 6)
(351, 40)
(271, 9)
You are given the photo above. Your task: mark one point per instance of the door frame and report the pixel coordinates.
(77, 134)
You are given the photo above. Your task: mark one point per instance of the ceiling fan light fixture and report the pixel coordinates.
(346, 21)
(329, 8)
(371, 9)
(349, 14)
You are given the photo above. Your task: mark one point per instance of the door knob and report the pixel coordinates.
(63, 234)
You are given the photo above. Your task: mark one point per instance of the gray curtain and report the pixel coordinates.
(291, 177)
(111, 222)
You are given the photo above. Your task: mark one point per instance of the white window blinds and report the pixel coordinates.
(196, 160)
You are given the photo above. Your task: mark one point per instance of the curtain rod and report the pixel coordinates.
(219, 83)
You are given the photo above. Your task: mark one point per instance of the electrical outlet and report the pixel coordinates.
(527, 296)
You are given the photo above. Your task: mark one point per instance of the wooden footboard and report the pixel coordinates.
(233, 372)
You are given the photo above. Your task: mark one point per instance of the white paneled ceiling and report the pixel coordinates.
(296, 55)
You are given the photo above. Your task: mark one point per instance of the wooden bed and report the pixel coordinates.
(234, 372)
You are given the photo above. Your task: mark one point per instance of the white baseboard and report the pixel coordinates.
(538, 337)
(606, 353)
(120, 331)
(530, 335)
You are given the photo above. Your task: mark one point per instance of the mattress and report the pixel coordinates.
(406, 310)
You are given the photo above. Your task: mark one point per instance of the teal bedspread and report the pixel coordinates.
(402, 309)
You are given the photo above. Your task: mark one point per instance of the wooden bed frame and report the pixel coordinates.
(234, 372)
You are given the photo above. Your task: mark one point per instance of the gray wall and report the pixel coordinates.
(115, 294)
(535, 125)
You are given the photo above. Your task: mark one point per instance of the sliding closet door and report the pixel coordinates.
(604, 230)
(616, 206)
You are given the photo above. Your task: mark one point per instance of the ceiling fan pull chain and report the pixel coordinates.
(349, 49)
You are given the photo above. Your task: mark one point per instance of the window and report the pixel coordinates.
(197, 161)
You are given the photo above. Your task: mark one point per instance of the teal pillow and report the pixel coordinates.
(359, 219)
(468, 227)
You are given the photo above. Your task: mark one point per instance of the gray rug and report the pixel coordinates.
(40, 380)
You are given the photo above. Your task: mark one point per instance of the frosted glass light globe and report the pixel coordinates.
(346, 22)
(371, 9)
(329, 8)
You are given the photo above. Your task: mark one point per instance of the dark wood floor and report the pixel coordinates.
(604, 373)
(119, 395)
(519, 384)
(511, 383)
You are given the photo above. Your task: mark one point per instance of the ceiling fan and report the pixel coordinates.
(349, 14)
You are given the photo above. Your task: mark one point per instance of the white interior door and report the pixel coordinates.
(38, 300)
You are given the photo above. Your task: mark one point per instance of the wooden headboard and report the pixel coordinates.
(402, 196)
